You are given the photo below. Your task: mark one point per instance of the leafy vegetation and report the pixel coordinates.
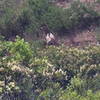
(36, 71)
(57, 73)
(33, 14)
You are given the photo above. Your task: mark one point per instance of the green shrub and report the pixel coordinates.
(10, 71)
(52, 18)
(78, 14)
(56, 73)
(28, 22)
(30, 16)
(38, 7)
(61, 64)
(46, 14)
(9, 24)
(71, 93)
(20, 50)
(17, 51)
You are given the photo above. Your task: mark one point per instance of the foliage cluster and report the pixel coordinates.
(53, 73)
(32, 14)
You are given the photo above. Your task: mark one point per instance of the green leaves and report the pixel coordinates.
(56, 73)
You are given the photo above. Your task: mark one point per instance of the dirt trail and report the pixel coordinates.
(85, 37)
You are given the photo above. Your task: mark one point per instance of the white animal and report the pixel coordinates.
(50, 37)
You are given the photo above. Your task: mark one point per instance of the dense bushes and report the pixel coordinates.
(66, 63)
(69, 93)
(52, 18)
(57, 73)
(9, 24)
(40, 72)
(35, 13)
(46, 14)
(12, 56)
(78, 14)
